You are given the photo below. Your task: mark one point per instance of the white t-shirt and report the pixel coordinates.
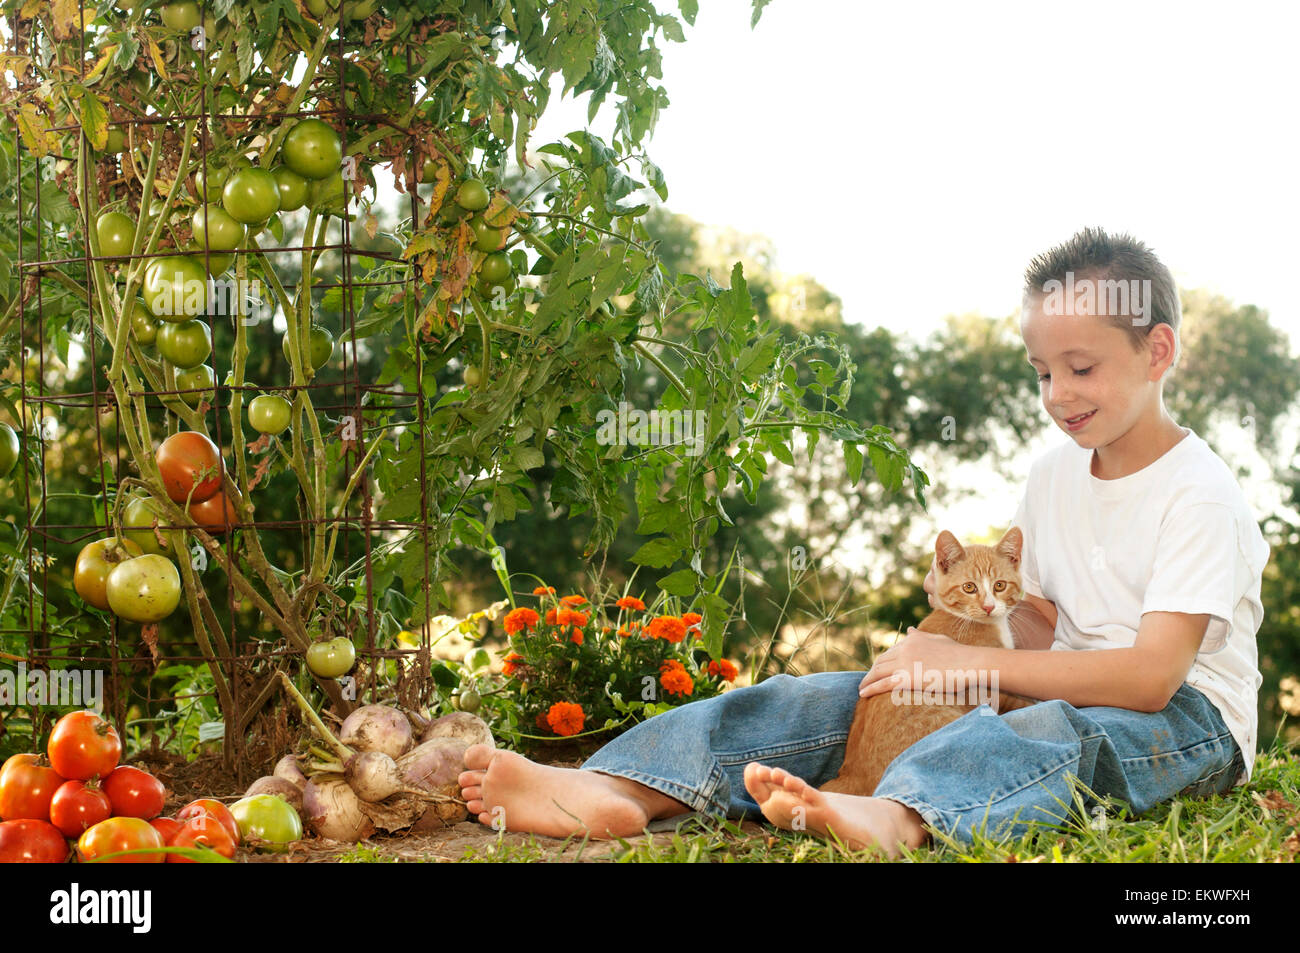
(1176, 536)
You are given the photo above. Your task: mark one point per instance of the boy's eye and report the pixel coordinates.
(1083, 370)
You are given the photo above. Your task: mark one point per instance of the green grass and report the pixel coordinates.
(1233, 828)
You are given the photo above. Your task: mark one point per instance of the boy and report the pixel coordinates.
(1138, 543)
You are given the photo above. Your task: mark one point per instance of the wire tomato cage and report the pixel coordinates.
(80, 471)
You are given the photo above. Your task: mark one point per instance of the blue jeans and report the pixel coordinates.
(986, 772)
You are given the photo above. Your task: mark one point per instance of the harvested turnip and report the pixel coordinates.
(435, 766)
(333, 811)
(377, 728)
(288, 769)
(373, 775)
(279, 787)
(461, 725)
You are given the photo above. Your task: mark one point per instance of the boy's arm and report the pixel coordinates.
(1033, 623)
(1141, 678)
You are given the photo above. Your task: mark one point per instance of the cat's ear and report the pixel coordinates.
(1010, 544)
(947, 551)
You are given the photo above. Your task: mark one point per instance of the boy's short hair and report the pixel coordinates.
(1114, 264)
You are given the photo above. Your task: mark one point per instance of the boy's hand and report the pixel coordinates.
(896, 667)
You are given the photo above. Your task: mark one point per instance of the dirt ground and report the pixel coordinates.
(206, 777)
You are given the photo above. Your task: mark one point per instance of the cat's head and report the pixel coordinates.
(977, 582)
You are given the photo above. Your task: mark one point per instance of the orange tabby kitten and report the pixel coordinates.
(978, 586)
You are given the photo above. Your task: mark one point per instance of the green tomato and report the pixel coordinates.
(266, 822)
(116, 140)
(486, 237)
(312, 148)
(137, 525)
(332, 659)
(186, 345)
(199, 380)
(269, 413)
(321, 348)
(495, 268)
(116, 232)
(293, 188)
(450, 213)
(468, 701)
(216, 229)
(316, 8)
(428, 172)
(8, 450)
(143, 326)
(144, 589)
(182, 16)
(176, 287)
(473, 376)
(215, 262)
(472, 195)
(215, 177)
(329, 194)
(251, 195)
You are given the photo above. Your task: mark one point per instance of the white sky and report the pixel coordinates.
(942, 145)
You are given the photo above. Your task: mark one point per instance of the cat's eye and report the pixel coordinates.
(968, 587)
(999, 586)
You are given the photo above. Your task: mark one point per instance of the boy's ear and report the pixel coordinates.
(947, 551)
(1010, 544)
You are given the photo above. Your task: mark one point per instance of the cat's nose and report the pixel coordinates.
(988, 610)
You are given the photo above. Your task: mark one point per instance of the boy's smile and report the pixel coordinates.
(1099, 389)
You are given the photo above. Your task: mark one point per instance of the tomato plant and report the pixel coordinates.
(472, 195)
(176, 287)
(182, 15)
(216, 229)
(144, 589)
(196, 384)
(134, 793)
(116, 232)
(8, 449)
(143, 325)
(216, 514)
(138, 517)
(94, 563)
(190, 466)
(77, 805)
(120, 834)
(83, 745)
(31, 842)
(293, 188)
(321, 348)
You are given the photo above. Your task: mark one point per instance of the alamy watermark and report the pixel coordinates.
(60, 688)
(950, 687)
(213, 296)
(1104, 297)
(664, 428)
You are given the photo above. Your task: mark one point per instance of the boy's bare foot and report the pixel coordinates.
(793, 804)
(508, 792)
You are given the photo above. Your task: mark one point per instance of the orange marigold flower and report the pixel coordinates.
(573, 600)
(553, 616)
(544, 591)
(676, 681)
(631, 602)
(668, 627)
(622, 630)
(670, 664)
(692, 619)
(606, 630)
(634, 625)
(579, 618)
(724, 668)
(566, 718)
(521, 618)
(508, 663)
(576, 637)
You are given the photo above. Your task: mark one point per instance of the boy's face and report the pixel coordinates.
(1094, 384)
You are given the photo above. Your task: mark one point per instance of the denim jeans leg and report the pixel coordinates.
(994, 774)
(697, 753)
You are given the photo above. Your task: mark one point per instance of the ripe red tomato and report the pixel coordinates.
(201, 830)
(27, 784)
(186, 459)
(218, 810)
(216, 515)
(135, 793)
(167, 827)
(83, 745)
(78, 805)
(117, 834)
(31, 842)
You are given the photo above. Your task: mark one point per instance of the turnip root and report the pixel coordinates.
(373, 776)
(435, 766)
(333, 811)
(461, 725)
(279, 787)
(377, 728)
(287, 768)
